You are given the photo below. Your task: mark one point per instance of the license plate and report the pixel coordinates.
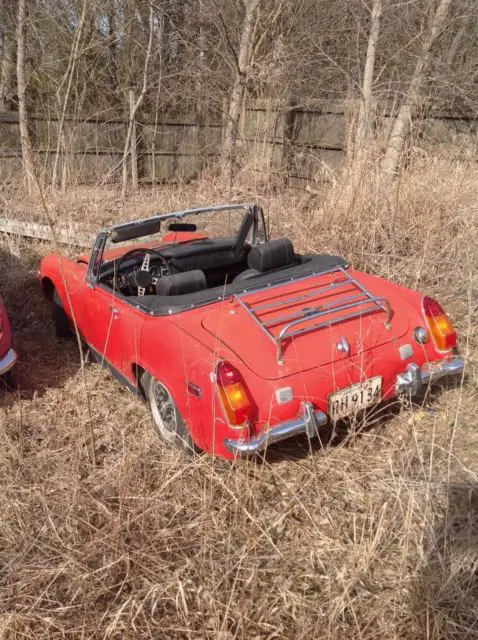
(355, 398)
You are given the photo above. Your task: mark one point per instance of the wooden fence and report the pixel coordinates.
(167, 150)
(71, 235)
(301, 143)
(308, 142)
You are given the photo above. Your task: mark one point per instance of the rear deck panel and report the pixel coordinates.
(278, 331)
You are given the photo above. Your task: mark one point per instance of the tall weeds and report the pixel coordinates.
(375, 536)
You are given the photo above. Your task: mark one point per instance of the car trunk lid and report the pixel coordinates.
(307, 323)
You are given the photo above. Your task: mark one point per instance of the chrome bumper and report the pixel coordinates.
(7, 362)
(415, 378)
(411, 381)
(308, 423)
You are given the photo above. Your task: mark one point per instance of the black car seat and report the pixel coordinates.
(179, 284)
(276, 254)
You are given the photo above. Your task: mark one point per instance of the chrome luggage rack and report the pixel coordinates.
(356, 305)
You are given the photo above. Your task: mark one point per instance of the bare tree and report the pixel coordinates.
(7, 67)
(364, 124)
(27, 153)
(68, 78)
(242, 61)
(129, 148)
(402, 123)
(90, 65)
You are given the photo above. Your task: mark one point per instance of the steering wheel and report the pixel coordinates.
(143, 278)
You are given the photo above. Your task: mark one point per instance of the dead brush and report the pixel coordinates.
(373, 536)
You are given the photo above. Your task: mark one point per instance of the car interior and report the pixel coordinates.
(180, 276)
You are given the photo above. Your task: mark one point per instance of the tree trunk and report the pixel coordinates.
(68, 77)
(450, 58)
(364, 124)
(134, 106)
(134, 155)
(202, 44)
(401, 127)
(238, 92)
(6, 72)
(27, 154)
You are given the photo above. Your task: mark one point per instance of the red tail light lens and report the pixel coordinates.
(235, 400)
(439, 324)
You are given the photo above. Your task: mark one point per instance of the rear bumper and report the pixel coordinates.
(7, 362)
(308, 423)
(413, 380)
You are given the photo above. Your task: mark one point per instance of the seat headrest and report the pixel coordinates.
(272, 255)
(179, 284)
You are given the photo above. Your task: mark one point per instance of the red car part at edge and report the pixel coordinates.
(8, 356)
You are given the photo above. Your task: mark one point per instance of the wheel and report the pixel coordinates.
(60, 319)
(167, 420)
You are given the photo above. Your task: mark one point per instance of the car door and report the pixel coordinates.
(111, 327)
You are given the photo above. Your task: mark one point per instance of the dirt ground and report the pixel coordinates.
(375, 536)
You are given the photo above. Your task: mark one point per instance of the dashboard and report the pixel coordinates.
(214, 257)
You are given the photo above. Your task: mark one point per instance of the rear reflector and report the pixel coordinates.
(235, 400)
(439, 324)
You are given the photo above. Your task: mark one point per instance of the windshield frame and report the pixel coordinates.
(141, 228)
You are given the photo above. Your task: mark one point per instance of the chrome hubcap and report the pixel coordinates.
(164, 407)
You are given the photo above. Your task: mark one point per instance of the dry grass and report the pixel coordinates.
(374, 537)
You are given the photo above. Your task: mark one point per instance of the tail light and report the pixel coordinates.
(439, 324)
(236, 403)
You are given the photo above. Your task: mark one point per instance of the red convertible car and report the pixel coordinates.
(8, 357)
(237, 341)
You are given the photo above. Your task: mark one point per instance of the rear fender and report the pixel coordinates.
(187, 368)
(411, 298)
(168, 354)
(412, 305)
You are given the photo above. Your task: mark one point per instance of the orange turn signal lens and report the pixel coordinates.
(439, 324)
(235, 400)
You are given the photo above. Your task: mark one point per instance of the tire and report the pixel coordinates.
(60, 319)
(167, 421)
(9, 380)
